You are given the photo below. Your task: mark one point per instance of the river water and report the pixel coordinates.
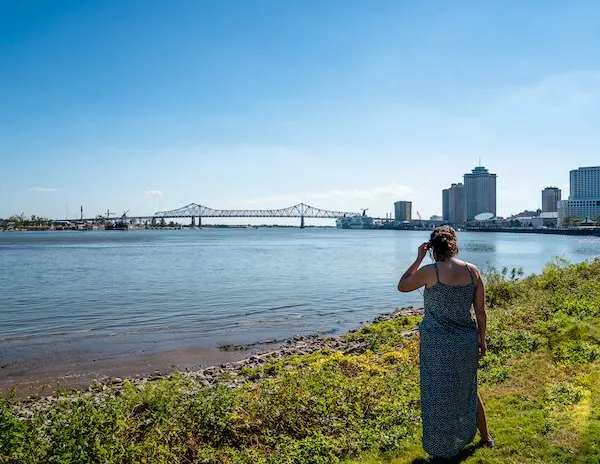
(117, 294)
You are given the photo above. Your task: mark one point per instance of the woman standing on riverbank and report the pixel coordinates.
(451, 343)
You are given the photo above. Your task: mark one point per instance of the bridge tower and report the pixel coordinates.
(193, 221)
(302, 222)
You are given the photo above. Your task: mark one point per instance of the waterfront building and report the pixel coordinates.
(403, 211)
(445, 204)
(578, 209)
(456, 204)
(584, 196)
(584, 183)
(453, 204)
(549, 219)
(480, 192)
(550, 198)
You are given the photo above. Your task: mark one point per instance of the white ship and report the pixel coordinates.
(355, 221)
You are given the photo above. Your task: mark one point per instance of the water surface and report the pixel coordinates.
(117, 293)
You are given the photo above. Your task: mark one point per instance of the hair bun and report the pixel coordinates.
(443, 242)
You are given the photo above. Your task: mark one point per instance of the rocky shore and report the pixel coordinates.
(232, 373)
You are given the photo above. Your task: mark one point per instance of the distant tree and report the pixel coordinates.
(514, 223)
(528, 213)
(571, 221)
(18, 220)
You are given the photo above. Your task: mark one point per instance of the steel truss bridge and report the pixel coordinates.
(300, 210)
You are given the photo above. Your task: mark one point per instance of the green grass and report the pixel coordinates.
(539, 382)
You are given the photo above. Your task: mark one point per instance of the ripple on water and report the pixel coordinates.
(102, 290)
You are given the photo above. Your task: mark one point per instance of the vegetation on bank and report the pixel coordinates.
(539, 381)
(22, 222)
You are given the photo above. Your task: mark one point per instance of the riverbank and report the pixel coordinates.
(355, 396)
(32, 378)
(582, 231)
(232, 361)
(39, 375)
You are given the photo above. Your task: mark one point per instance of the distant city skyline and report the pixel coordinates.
(147, 106)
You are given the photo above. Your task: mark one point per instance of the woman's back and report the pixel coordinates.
(448, 302)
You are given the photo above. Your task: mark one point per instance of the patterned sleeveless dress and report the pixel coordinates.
(448, 364)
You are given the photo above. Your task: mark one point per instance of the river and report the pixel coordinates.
(124, 298)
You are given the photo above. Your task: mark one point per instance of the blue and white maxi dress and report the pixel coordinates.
(448, 365)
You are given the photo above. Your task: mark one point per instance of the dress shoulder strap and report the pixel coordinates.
(470, 273)
(437, 274)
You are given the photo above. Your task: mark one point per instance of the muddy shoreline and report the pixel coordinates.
(230, 360)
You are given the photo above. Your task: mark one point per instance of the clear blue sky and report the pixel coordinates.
(346, 104)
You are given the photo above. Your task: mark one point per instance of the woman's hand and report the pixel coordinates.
(422, 251)
(482, 348)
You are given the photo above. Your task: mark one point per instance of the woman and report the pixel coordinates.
(451, 342)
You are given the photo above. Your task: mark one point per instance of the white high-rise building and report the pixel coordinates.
(584, 183)
(584, 197)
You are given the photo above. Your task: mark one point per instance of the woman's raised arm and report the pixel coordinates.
(414, 277)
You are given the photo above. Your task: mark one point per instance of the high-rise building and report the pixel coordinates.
(584, 183)
(456, 204)
(403, 210)
(446, 204)
(584, 197)
(480, 192)
(550, 198)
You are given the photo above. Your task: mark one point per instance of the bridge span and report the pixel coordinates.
(300, 210)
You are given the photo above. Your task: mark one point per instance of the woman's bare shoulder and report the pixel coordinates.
(471, 265)
(428, 269)
(474, 269)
